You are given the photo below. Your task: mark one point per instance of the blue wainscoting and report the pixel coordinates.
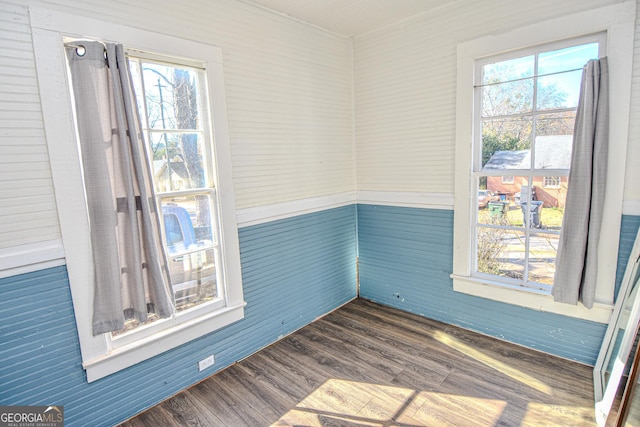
(406, 257)
(294, 270)
(628, 230)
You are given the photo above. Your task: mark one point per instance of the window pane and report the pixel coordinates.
(559, 90)
(555, 124)
(178, 162)
(543, 249)
(187, 227)
(553, 152)
(507, 98)
(511, 69)
(193, 277)
(551, 200)
(500, 252)
(172, 96)
(499, 201)
(136, 77)
(187, 223)
(506, 143)
(565, 59)
(491, 210)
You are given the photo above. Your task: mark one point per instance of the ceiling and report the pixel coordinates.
(351, 17)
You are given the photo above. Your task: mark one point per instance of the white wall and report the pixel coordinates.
(27, 211)
(632, 181)
(289, 95)
(289, 99)
(405, 93)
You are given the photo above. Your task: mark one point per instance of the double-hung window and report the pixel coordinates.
(179, 88)
(523, 126)
(516, 100)
(174, 116)
(174, 112)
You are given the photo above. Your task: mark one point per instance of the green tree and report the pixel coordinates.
(492, 142)
(186, 112)
(507, 110)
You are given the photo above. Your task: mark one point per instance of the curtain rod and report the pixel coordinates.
(527, 78)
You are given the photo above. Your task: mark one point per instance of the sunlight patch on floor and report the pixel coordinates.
(561, 415)
(431, 409)
(493, 363)
(363, 404)
(352, 403)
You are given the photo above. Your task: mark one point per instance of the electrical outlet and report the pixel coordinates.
(205, 363)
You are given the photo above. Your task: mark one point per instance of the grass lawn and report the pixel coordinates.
(551, 218)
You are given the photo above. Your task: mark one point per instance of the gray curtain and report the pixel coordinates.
(577, 259)
(131, 278)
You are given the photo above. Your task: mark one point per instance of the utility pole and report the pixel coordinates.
(164, 135)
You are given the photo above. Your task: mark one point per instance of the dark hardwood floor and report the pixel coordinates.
(370, 365)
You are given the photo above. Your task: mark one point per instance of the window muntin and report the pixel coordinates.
(523, 131)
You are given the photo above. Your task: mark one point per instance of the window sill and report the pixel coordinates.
(153, 345)
(529, 298)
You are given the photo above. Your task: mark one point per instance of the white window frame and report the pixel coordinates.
(617, 21)
(209, 167)
(49, 28)
(530, 174)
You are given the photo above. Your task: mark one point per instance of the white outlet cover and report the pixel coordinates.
(205, 363)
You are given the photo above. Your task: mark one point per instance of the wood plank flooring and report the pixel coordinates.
(370, 365)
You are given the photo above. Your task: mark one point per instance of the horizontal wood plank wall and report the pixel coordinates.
(632, 179)
(288, 90)
(628, 231)
(294, 270)
(405, 89)
(28, 210)
(405, 259)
